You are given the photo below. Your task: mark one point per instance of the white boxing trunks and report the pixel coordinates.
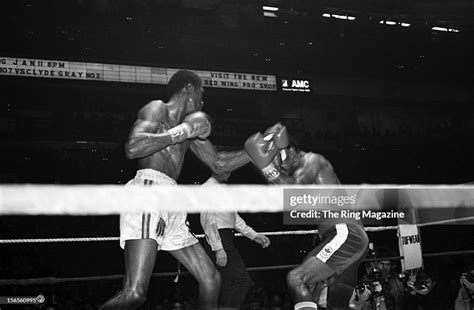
(168, 229)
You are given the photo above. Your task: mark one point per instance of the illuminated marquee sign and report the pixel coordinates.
(295, 85)
(40, 68)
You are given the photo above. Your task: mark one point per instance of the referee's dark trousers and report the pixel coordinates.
(235, 278)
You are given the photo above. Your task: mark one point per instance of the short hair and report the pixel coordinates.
(180, 79)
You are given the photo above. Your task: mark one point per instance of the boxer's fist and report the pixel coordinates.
(195, 125)
(262, 152)
(279, 134)
(199, 124)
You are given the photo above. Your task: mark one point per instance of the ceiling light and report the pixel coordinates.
(270, 8)
(346, 17)
(269, 14)
(445, 29)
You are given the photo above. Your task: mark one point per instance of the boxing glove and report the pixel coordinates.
(262, 152)
(279, 134)
(195, 125)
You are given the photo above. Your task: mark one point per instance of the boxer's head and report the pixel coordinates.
(288, 159)
(189, 85)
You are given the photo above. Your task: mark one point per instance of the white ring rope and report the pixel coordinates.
(269, 233)
(445, 222)
(116, 199)
(51, 240)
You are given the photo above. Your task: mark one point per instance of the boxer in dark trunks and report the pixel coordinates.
(159, 139)
(344, 241)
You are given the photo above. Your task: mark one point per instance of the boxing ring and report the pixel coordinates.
(114, 199)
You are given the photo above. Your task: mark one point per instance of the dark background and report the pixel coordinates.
(388, 105)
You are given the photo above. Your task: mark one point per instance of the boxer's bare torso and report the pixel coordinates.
(155, 119)
(305, 168)
(150, 143)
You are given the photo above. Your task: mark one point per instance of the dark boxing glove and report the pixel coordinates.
(262, 152)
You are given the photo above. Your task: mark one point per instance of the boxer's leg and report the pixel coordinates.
(140, 256)
(320, 264)
(198, 263)
(301, 279)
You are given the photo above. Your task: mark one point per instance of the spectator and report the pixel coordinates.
(465, 298)
(177, 306)
(360, 298)
(380, 286)
(425, 292)
(393, 289)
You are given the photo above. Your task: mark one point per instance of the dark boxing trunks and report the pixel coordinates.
(343, 248)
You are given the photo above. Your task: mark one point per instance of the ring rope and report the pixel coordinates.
(54, 280)
(271, 233)
(95, 239)
(444, 222)
(28, 199)
(50, 240)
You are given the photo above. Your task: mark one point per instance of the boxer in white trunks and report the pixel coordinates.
(159, 139)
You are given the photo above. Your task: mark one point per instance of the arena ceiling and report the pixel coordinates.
(301, 37)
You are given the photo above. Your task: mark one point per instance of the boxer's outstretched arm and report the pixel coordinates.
(142, 140)
(219, 162)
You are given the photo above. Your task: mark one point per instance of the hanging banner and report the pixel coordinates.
(55, 69)
(409, 242)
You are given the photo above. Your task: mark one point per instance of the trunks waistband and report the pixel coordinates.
(155, 176)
